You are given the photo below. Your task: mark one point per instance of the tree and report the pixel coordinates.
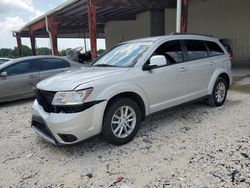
(64, 52)
(25, 49)
(43, 51)
(5, 52)
(100, 51)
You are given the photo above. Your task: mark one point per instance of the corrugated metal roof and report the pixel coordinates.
(72, 18)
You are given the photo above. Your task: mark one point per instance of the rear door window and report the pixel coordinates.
(196, 49)
(214, 49)
(52, 63)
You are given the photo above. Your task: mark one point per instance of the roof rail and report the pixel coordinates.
(175, 33)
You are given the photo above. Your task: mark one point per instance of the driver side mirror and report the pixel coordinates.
(4, 74)
(156, 61)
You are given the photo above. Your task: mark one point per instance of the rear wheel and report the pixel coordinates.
(219, 94)
(121, 121)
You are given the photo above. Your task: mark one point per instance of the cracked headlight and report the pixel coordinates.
(71, 98)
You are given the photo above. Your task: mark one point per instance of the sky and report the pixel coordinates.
(16, 13)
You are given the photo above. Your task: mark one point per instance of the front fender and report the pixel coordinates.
(119, 88)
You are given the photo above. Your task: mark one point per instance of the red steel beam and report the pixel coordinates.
(53, 30)
(92, 29)
(151, 4)
(39, 25)
(32, 42)
(19, 45)
(184, 15)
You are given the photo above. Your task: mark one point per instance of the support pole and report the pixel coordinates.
(178, 16)
(92, 29)
(19, 45)
(85, 44)
(32, 42)
(54, 38)
(184, 16)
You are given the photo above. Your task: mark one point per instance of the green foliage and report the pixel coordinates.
(5, 52)
(63, 52)
(26, 51)
(43, 51)
(13, 53)
(100, 51)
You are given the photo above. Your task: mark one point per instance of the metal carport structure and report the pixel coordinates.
(87, 18)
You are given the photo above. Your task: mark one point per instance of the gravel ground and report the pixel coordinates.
(189, 146)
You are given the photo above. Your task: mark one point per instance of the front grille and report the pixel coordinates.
(45, 98)
(48, 95)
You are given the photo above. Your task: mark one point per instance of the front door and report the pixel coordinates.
(165, 85)
(20, 79)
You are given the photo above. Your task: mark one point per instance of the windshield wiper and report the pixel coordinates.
(104, 65)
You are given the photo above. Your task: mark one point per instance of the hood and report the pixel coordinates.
(68, 81)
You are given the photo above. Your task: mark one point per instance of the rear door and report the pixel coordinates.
(200, 68)
(52, 66)
(20, 80)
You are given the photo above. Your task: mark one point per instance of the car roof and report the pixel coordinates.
(175, 36)
(4, 58)
(36, 57)
(13, 61)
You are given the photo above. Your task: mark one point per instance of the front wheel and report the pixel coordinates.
(121, 121)
(219, 94)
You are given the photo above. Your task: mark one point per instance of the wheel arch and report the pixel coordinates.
(219, 73)
(132, 95)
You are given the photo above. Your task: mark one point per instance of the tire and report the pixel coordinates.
(217, 98)
(119, 131)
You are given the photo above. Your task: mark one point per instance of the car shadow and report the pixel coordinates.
(192, 113)
(151, 124)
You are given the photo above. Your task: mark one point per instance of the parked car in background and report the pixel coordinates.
(3, 60)
(127, 83)
(19, 76)
(226, 44)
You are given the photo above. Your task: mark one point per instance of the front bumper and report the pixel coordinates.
(55, 128)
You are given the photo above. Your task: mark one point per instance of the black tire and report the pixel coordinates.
(212, 100)
(112, 108)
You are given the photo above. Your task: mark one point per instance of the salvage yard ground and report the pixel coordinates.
(193, 145)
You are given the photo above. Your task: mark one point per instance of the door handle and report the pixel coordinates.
(183, 69)
(211, 62)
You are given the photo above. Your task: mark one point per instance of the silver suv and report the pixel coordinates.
(126, 84)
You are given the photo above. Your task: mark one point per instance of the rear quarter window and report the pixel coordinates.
(50, 64)
(214, 48)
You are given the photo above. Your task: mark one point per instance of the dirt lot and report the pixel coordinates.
(189, 146)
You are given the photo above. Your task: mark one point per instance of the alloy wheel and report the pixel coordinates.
(123, 122)
(220, 92)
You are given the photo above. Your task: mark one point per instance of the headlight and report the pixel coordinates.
(71, 98)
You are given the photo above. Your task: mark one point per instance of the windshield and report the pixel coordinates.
(124, 55)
